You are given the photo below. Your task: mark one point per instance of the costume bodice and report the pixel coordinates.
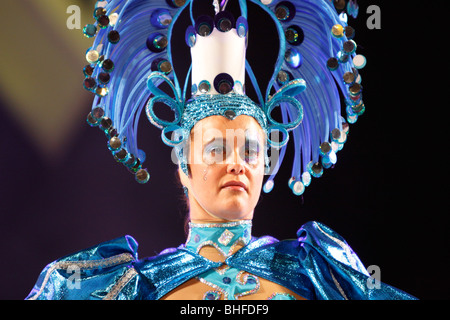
(216, 242)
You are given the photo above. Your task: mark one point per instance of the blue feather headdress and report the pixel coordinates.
(131, 58)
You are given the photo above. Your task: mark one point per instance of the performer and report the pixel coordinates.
(225, 143)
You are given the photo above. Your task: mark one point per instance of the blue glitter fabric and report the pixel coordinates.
(318, 265)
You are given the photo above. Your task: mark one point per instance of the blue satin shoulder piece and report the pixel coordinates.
(99, 272)
(336, 271)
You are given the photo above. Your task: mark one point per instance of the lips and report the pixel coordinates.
(235, 185)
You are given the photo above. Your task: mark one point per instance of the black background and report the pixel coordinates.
(386, 195)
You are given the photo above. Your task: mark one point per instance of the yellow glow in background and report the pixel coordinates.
(39, 60)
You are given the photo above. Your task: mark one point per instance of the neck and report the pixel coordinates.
(226, 236)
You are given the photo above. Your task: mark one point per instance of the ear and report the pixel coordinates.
(185, 181)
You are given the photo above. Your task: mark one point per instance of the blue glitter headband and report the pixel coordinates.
(131, 56)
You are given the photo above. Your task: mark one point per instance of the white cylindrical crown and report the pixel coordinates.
(219, 52)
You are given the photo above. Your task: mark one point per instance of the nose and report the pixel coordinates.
(236, 168)
(235, 165)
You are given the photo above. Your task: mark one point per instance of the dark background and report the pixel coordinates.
(386, 195)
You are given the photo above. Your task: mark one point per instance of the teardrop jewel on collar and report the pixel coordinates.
(224, 236)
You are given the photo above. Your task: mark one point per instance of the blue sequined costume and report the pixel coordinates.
(319, 264)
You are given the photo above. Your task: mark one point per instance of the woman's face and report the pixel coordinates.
(226, 160)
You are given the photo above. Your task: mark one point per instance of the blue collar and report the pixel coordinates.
(223, 236)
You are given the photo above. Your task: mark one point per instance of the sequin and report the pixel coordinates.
(224, 21)
(204, 86)
(176, 3)
(355, 89)
(342, 56)
(315, 169)
(89, 84)
(226, 237)
(285, 11)
(105, 123)
(268, 186)
(98, 113)
(142, 176)
(349, 78)
(223, 83)
(332, 64)
(325, 148)
(103, 21)
(101, 91)
(238, 87)
(337, 31)
(114, 144)
(298, 188)
(293, 58)
(113, 17)
(306, 178)
(104, 78)
(91, 121)
(113, 37)
(98, 12)
(89, 30)
(230, 114)
(294, 35)
(161, 65)
(335, 134)
(339, 5)
(204, 25)
(107, 65)
(121, 155)
(349, 47)
(359, 61)
(190, 36)
(211, 295)
(349, 32)
(112, 132)
(161, 18)
(194, 89)
(157, 42)
(284, 77)
(88, 70)
(242, 27)
(92, 56)
(131, 162)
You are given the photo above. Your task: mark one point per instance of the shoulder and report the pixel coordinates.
(97, 272)
(336, 270)
(316, 236)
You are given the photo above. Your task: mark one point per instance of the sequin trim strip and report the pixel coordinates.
(337, 284)
(123, 281)
(84, 264)
(243, 281)
(220, 224)
(215, 245)
(284, 294)
(216, 287)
